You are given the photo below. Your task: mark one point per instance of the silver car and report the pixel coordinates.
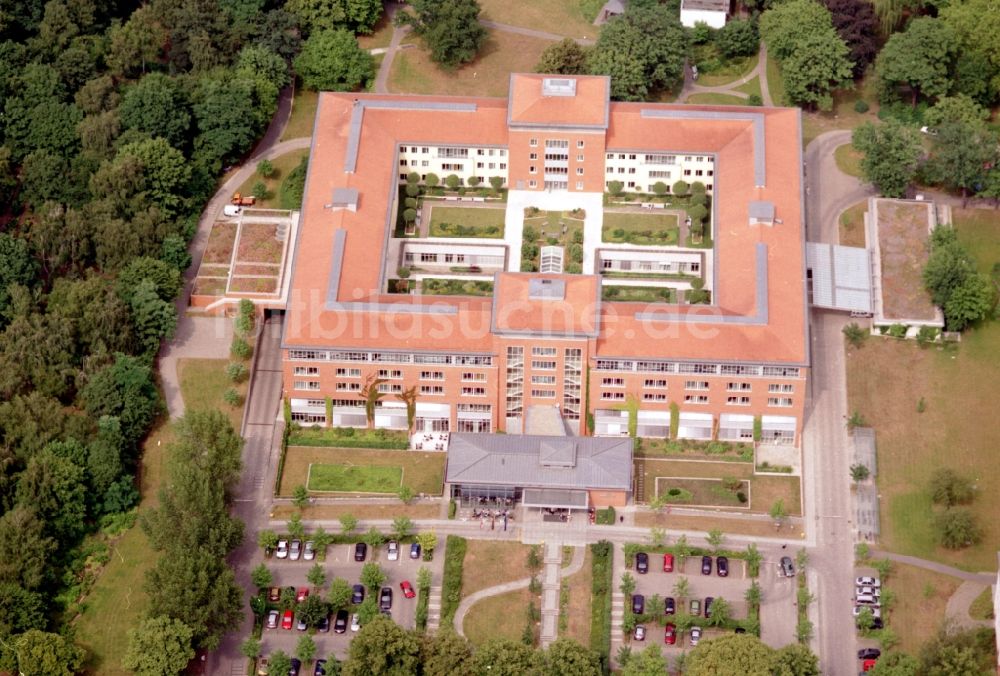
(295, 550)
(393, 550)
(695, 635)
(309, 551)
(282, 551)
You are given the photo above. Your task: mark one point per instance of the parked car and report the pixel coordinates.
(274, 594)
(340, 622)
(640, 633)
(708, 606)
(867, 581)
(695, 635)
(320, 669)
(669, 606)
(309, 551)
(869, 654)
(286, 620)
(706, 565)
(787, 567)
(873, 591)
(407, 589)
(668, 563)
(324, 624)
(357, 594)
(294, 550)
(301, 624)
(282, 551)
(301, 594)
(385, 599)
(867, 665)
(360, 551)
(739, 630)
(392, 550)
(877, 623)
(638, 603)
(294, 669)
(876, 611)
(272, 619)
(355, 622)
(694, 607)
(670, 634)
(642, 563)
(415, 550)
(722, 566)
(867, 600)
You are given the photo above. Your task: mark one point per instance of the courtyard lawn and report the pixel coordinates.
(714, 70)
(638, 294)
(775, 85)
(887, 378)
(848, 160)
(301, 121)
(383, 512)
(282, 166)
(555, 228)
(422, 472)
(504, 53)
(764, 490)
(489, 563)
(502, 616)
(751, 87)
(455, 287)
(578, 611)
(704, 492)
(466, 221)
(921, 599)
(716, 99)
(640, 228)
(355, 478)
(562, 17)
(852, 225)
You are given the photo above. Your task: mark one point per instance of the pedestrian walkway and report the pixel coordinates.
(550, 593)
(979, 578)
(617, 606)
(730, 89)
(434, 609)
(957, 610)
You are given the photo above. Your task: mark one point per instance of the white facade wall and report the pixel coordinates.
(640, 170)
(464, 162)
(714, 18)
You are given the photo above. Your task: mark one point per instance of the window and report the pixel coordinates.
(428, 258)
(579, 185)
(779, 401)
(782, 371)
(699, 172)
(556, 143)
(449, 258)
(543, 380)
(696, 385)
(579, 144)
(474, 377)
(738, 387)
(695, 398)
(543, 352)
(687, 159)
(473, 391)
(781, 388)
(432, 375)
(631, 184)
(493, 165)
(402, 163)
(543, 365)
(621, 156)
(424, 163)
(632, 156)
(425, 150)
(479, 165)
(394, 374)
(738, 401)
(631, 170)
(711, 173)
(533, 156)
(348, 387)
(481, 151)
(654, 396)
(613, 382)
(613, 396)
(532, 169)
(687, 172)
(402, 177)
(307, 370)
(390, 388)
(708, 187)
(532, 184)
(579, 171)
(655, 383)
(543, 394)
(503, 165)
(308, 385)
(503, 152)
(609, 156)
(348, 373)
(433, 390)
(533, 142)
(699, 159)
(579, 158)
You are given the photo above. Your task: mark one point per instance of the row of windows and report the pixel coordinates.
(640, 366)
(446, 151)
(657, 158)
(735, 400)
(654, 383)
(391, 357)
(554, 143)
(543, 394)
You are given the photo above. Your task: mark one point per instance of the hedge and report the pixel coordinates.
(423, 599)
(451, 585)
(600, 604)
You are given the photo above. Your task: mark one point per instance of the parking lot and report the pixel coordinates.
(340, 563)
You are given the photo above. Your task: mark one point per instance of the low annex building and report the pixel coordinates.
(554, 267)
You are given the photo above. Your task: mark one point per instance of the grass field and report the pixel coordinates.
(423, 472)
(921, 598)
(751, 87)
(300, 123)
(886, 379)
(726, 525)
(982, 606)
(848, 160)
(380, 36)
(282, 166)
(715, 99)
(484, 222)
(489, 563)
(715, 71)
(503, 616)
(117, 601)
(361, 511)
(562, 17)
(704, 492)
(578, 612)
(355, 478)
(852, 225)
(413, 72)
(775, 85)
(639, 228)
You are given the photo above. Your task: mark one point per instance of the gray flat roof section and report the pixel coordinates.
(603, 463)
(556, 498)
(841, 276)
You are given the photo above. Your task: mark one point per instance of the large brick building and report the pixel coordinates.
(552, 338)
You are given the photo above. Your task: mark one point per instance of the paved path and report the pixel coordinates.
(531, 32)
(617, 605)
(957, 610)
(977, 578)
(381, 85)
(552, 587)
(759, 71)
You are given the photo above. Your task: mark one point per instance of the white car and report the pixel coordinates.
(868, 582)
(393, 550)
(869, 591)
(867, 600)
(695, 635)
(876, 611)
(295, 550)
(282, 551)
(355, 622)
(231, 210)
(640, 633)
(309, 551)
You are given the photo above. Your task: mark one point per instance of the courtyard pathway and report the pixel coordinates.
(730, 89)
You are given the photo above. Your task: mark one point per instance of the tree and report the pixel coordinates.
(373, 538)
(259, 60)
(295, 527)
(251, 648)
(854, 334)
(948, 266)
(25, 548)
(778, 511)
(643, 51)
(340, 593)
(858, 26)
(566, 57)
(818, 65)
(795, 659)
(783, 26)
(445, 653)
(958, 652)
(428, 542)
(371, 395)
(156, 104)
(715, 538)
(409, 399)
(615, 187)
(279, 662)
(56, 488)
(16, 266)
(305, 649)
(865, 619)
(732, 653)
(300, 496)
(949, 488)
(739, 37)
(957, 528)
(649, 662)
(682, 589)
(722, 612)
(136, 43)
(504, 657)
(160, 646)
(969, 303)
(229, 112)
(359, 16)
(166, 279)
(450, 29)
(316, 575)
(372, 576)
(402, 526)
(974, 28)
(896, 663)
(859, 472)
(892, 153)
(405, 494)
(43, 654)
(267, 539)
(261, 576)
(961, 153)
(382, 647)
(959, 109)
(154, 318)
(331, 60)
(566, 657)
(918, 59)
(348, 522)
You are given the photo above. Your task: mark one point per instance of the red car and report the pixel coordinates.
(301, 595)
(867, 665)
(407, 589)
(286, 620)
(668, 563)
(670, 635)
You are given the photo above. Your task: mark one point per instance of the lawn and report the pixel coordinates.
(775, 85)
(578, 612)
(413, 72)
(848, 160)
(380, 36)
(553, 228)
(455, 287)
(301, 121)
(982, 606)
(204, 382)
(638, 294)
(751, 87)
(489, 563)
(640, 228)
(466, 222)
(716, 99)
(562, 17)
(726, 525)
(423, 472)
(843, 115)
(503, 616)
(361, 511)
(351, 478)
(221, 239)
(704, 492)
(282, 166)
(764, 490)
(921, 598)
(852, 225)
(714, 70)
(887, 378)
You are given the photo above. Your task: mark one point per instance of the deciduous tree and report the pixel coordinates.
(450, 29)
(331, 60)
(566, 57)
(382, 647)
(857, 25)
(918, 59)
(158, 647)
(784, 25)
(892, 153)
(40, 653)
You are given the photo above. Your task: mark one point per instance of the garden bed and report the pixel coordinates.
(738, 451)
(354, 478)
(638, 294)
(553, 228)
(257, 243)
(348, 437)
(219, 248)
(209, 286)
(476, 222)
(649, 229)
(253, 285)
(703, 492)
(257, 269)
(455, 287)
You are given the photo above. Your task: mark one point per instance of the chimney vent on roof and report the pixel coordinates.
(762, 213)
(558, 86)
(546, 289)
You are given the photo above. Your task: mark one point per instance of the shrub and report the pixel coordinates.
(412, 190)
(957, 528)
(854, 334)
(452, 509)
(699, 199)
(413, 178)
(232, 397)
(265, 168)
(678, 495)
(260, 190)
(897, 330)
(410, 215)
(660, 188)
(410, 202)
(452, 181)
(701, 33)
(949, 488)
(431, 180)
(741, 496)
(698, 212)
(739, 37)
(451, 585)
(240, 348)
(681, 188)
(697, 188)
(927, 334)
(615, 187)
(474, 181)
(236, 371)
(496, 182)
(403, 272)
(755, 100)
(861, 106)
